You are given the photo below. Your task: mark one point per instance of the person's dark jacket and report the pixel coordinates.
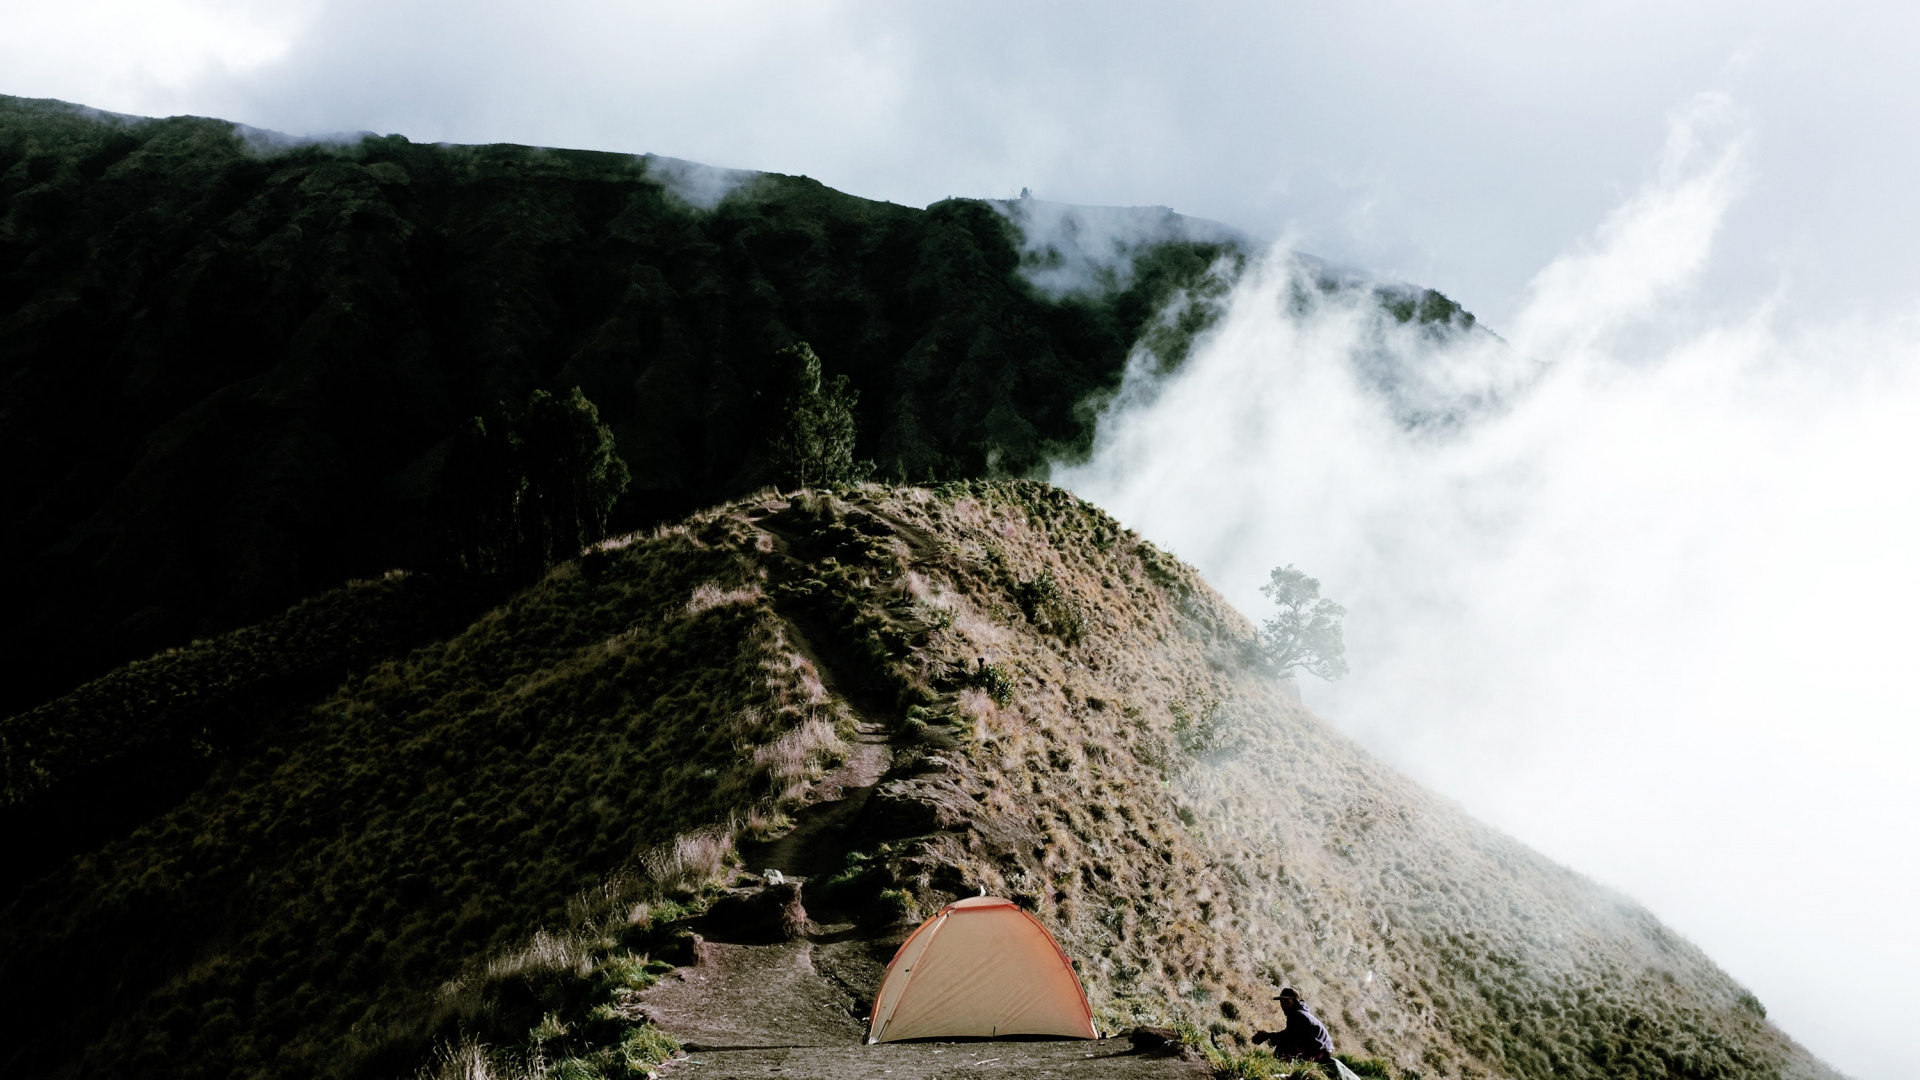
(1304, 1037)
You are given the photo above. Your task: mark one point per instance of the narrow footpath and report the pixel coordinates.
(792, 1009)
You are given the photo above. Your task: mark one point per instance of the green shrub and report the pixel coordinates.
(1373, 1068)
(990, 678)
(574, 1069)
(1203, 730)
(632, 973)
(861, 877)
(650, 1043)
(896, 903)
(1050, 608)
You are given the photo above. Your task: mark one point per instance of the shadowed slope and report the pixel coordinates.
(308, 897)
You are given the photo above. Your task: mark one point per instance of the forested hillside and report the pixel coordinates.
(230, 365)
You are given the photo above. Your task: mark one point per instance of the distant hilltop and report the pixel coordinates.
(1067, 248)
(236, 359)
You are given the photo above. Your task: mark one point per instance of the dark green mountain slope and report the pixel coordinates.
(91, 766)
(497, 838)
(228, 368)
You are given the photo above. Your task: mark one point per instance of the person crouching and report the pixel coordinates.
(1304, 1038)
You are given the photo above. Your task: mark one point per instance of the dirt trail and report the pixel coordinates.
(816, 844)
(750, 996)
(759, 994)
(1107, 1059)
(791, 1009)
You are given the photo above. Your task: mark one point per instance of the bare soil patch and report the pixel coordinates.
(1107, 1059)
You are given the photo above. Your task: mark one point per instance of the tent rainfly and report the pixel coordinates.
(984, 967)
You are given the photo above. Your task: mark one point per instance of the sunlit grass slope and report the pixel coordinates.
(496, 836)
(1198, 838)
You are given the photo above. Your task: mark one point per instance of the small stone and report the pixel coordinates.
(1149, 1040)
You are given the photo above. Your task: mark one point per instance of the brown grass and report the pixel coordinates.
(1196, 838)
(585, 756)
(710, 595)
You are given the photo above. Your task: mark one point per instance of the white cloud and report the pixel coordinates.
(1459, 145)
(144, 56)
(1654, 244)
(1574, 578)
(1656, 618)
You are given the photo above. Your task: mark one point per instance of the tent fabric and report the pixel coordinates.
(981, 967)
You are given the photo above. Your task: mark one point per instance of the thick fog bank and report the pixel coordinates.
(1636, 585)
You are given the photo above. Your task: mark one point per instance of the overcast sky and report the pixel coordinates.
(1459, 145)
(1470, 147)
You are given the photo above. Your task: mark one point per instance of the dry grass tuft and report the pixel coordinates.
(615, 543)
(688, 863)
(544, 952)
(470, 1060)
(710, 595)
(801, 756)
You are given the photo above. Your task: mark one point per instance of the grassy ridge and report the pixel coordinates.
(1099, 750)
(434, 809)
(497, 836)
(93, 764)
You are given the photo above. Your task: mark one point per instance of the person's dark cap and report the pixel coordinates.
(1288, 992)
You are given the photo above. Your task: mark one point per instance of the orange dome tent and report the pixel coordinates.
(981, 967)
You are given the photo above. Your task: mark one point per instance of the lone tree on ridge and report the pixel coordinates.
(530, 486)
(1306, 634)
(813, 442)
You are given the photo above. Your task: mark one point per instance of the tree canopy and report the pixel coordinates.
(1305, 634)
(813, 440)
(527, 487)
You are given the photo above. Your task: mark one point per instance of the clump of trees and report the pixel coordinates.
(1306, 634)
(529, 486)
(812, 442)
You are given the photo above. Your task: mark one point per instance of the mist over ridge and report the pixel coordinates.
(1381, 380)
(1648, 613)
(1635, 589)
